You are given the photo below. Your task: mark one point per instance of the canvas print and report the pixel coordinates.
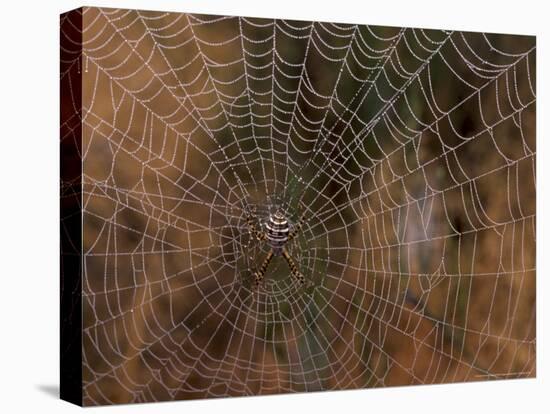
(256, 206)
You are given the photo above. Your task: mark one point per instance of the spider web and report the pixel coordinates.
(409, 152)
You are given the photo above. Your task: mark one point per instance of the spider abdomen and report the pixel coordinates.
(277, 231)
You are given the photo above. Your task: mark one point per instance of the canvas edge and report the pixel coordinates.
(70, 197)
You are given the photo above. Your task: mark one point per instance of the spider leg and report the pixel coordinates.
(293, 268)
(259, 275)
(296, 229)
(260, 235)
(298, 226)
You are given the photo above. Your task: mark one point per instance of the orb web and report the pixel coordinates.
(410, 154)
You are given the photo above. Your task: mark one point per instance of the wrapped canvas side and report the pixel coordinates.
(71, 206)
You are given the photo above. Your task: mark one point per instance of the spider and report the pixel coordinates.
(278, 234)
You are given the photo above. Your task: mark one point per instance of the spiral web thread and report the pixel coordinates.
(409, 153)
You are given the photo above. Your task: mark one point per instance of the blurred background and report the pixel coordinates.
(410, 154)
